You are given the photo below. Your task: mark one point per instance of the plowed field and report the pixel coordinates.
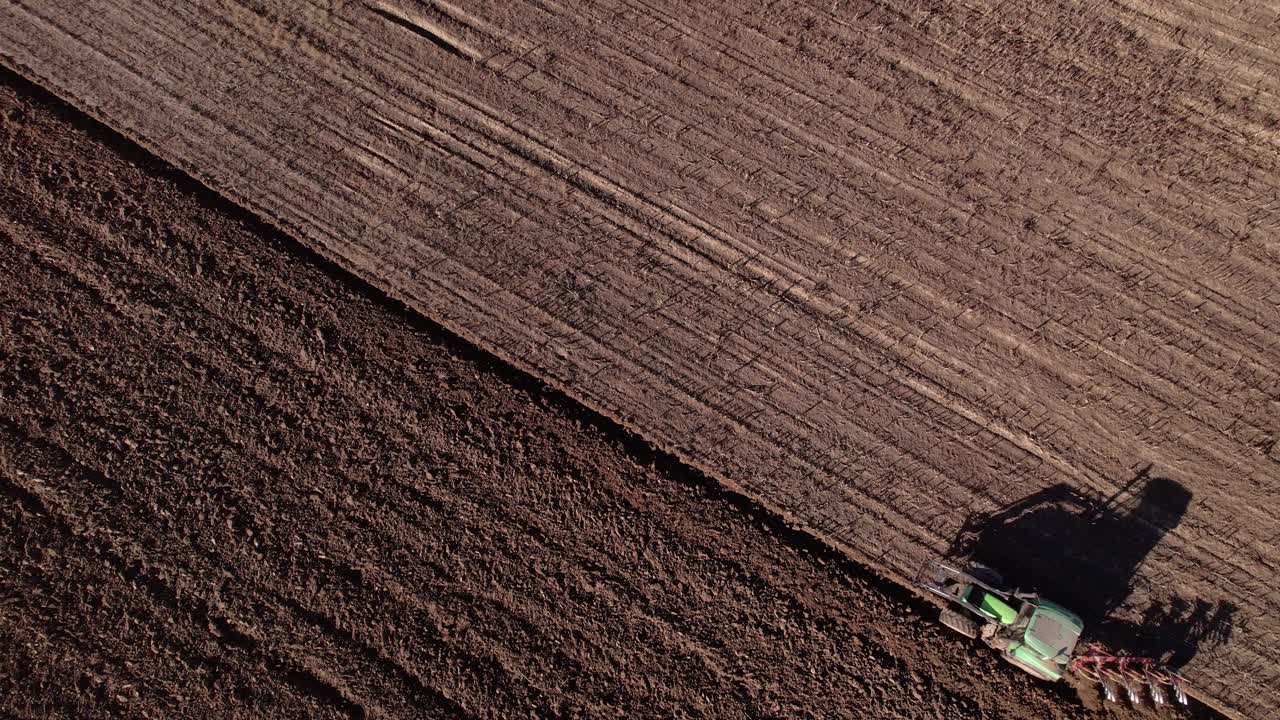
(237, 483)
(992, 276)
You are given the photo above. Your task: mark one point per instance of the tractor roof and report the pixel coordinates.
(1053, 631)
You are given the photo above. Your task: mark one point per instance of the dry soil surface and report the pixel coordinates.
(912, 273)
(239, 483)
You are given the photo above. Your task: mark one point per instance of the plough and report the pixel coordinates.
(1132, 673)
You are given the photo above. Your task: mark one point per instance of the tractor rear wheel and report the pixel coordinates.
(962, 624)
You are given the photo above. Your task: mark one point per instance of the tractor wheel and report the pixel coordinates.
(962, 624)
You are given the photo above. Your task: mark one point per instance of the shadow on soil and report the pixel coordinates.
(1084, 552)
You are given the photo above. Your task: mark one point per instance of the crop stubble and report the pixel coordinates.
(879, 266)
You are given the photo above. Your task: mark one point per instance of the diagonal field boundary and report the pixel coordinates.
(880, 267)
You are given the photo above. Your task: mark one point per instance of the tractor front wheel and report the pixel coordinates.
(961, 623)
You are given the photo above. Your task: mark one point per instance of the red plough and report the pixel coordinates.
(1131, 673)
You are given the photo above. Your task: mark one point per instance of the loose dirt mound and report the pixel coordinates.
(918, 274)
(234, 486)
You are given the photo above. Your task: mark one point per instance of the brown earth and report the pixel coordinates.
(1000, 278)
(239, 483)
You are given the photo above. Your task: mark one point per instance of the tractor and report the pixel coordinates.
(1039, 636)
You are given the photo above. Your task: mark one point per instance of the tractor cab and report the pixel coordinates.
(1043, 643)
(1030, 632)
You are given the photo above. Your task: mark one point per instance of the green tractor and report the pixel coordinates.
(1039, 636)
(1036, 635)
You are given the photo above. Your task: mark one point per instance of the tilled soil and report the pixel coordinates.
(913, 273)
(239, 483)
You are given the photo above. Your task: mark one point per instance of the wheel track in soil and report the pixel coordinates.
(1035, 392)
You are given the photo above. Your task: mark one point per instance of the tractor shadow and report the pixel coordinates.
(1084, 552)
